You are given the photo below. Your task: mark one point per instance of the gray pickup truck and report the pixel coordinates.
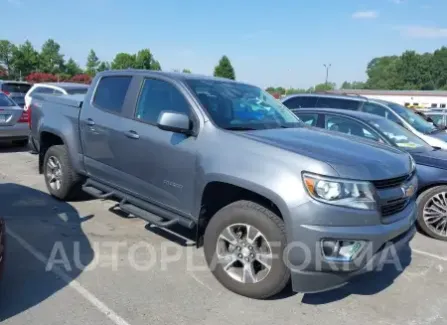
(270, 199)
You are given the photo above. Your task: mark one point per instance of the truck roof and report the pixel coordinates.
(171, 75)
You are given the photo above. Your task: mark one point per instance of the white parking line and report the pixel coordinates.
(69, 280)
(441, 258)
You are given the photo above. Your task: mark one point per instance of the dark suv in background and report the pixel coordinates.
(16, 90)
(399, 114)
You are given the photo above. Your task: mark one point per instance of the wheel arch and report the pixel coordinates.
(219, 192)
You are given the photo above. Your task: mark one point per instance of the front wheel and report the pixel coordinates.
(432, 212)
(243, 246)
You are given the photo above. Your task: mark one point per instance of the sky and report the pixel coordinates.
(269, 44)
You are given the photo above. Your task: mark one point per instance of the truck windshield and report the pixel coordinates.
(238, 106)
(415, 120)
(399, 136)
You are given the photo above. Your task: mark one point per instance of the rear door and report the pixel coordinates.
(102, 128)
(10, 113)
(16, 91)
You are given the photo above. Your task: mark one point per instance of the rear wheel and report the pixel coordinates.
(61, 180)
(432, 212)
(243, 246)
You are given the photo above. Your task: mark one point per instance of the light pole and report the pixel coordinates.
(327, 66)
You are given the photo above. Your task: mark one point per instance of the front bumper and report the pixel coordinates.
(313, 272)
(19, 131)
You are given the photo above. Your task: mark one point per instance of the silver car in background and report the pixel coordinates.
(14, 121)
(16, 90)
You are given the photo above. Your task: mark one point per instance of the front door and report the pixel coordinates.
(160, 165)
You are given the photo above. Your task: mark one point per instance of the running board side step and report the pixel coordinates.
(137, 207)
(93, 191)
(146, 215)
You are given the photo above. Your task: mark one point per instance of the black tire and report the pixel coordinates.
(273, 229)
(20, 143)
(70, 180)
(422, 200)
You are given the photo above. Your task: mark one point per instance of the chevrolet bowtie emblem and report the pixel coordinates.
(408, 190)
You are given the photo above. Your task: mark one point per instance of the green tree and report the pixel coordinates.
(7, 50)
(325, 86)
(186, 71)
(103, 66)
(92, 63)
(25, 59)
(291, 91)
(123, 61)
(438, 68)
(383, 73)
(51, 61)
(72, 68)
(145, 60)
(353, 85)
(156, 66)
(224, 69)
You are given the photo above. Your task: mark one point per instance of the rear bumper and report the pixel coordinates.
(19, 131)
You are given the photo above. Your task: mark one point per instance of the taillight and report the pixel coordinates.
(26, 116)
(7, 93)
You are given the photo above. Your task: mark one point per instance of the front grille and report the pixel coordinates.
(391, 182)
(393, 207)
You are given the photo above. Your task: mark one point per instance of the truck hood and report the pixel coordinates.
(351, 157)
(433, 158)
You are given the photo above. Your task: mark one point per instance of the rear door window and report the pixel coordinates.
(340, 103)
(349, 126)
(373, 108)
(301, 102)
(111, 93)
(308, 118)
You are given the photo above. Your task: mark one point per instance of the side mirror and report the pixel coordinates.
(174, 122)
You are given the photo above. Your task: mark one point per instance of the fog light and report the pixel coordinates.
(341, 250)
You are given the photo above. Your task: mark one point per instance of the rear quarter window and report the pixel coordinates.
(111, 93)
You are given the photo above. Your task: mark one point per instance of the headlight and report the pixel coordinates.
(347, 193)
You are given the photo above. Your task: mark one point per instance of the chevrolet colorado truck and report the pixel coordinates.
(270, 199)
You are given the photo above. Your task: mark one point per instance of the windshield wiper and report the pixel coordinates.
(240, 128)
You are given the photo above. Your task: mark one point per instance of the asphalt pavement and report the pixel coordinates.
(85, 263)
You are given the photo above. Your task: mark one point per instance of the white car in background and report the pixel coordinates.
(55, 88)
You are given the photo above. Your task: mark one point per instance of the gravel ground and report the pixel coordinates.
(121, 287)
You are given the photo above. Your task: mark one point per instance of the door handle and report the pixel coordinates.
(132, 134)
(90, 122)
